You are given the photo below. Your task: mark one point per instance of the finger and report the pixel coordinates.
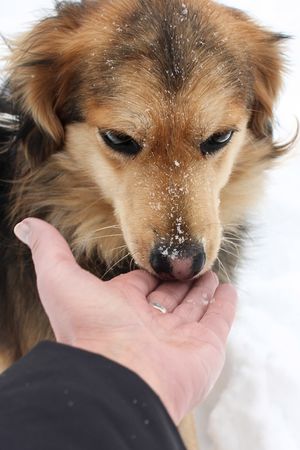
(139, 279)
(169, 294)
(51, 255)
(196, 302)
(43, 239)
(220, 314)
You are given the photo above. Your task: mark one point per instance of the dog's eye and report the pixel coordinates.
(120, 142)
(216, 142)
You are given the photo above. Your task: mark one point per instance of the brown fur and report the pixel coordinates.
(166, 77)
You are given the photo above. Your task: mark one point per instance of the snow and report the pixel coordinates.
(255, 404)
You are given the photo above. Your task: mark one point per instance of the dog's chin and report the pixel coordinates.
(170, 277)
(167, 277)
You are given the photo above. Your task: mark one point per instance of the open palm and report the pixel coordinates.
(179, 354)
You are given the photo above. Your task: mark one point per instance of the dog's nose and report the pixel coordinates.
(178, 262)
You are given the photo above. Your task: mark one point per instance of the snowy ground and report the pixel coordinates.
(255, 405)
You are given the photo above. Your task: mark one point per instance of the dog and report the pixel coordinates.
(142, 130)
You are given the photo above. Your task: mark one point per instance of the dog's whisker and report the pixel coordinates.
(119, 248)
(227, 252)
(231, 243)
(222, 267)
(238, 239)
(118, 252)
(236, 236)
(95, 238)
(232, 250)
(108, 227)
(131, 264)
(107, 235)
(115, 264)
(236, 242)
(98, 237)
(90, 205)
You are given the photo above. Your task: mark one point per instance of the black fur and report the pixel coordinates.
(8, 150)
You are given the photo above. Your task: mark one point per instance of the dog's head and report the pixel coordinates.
(167, 106)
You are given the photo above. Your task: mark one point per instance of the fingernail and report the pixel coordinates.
(22, 231)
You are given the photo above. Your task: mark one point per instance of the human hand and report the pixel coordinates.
(179, 354)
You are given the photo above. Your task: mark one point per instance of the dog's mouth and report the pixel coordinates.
(128, 265)
(169, 263)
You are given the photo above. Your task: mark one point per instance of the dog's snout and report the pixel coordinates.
(178, 262)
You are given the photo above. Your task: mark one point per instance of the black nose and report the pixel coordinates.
(180, 262)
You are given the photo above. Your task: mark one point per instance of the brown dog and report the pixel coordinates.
(141, 129)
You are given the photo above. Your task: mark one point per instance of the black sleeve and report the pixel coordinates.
(60, 397)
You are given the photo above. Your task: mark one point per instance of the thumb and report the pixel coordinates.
(54, 263)
(59, 278)
(48, 247)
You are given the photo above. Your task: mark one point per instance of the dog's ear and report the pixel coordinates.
(262, 50)
(42, 76)
(266, 68)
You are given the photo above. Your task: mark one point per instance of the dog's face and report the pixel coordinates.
(168, 101)
(162, 161)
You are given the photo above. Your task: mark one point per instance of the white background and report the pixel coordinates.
(255, 405)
